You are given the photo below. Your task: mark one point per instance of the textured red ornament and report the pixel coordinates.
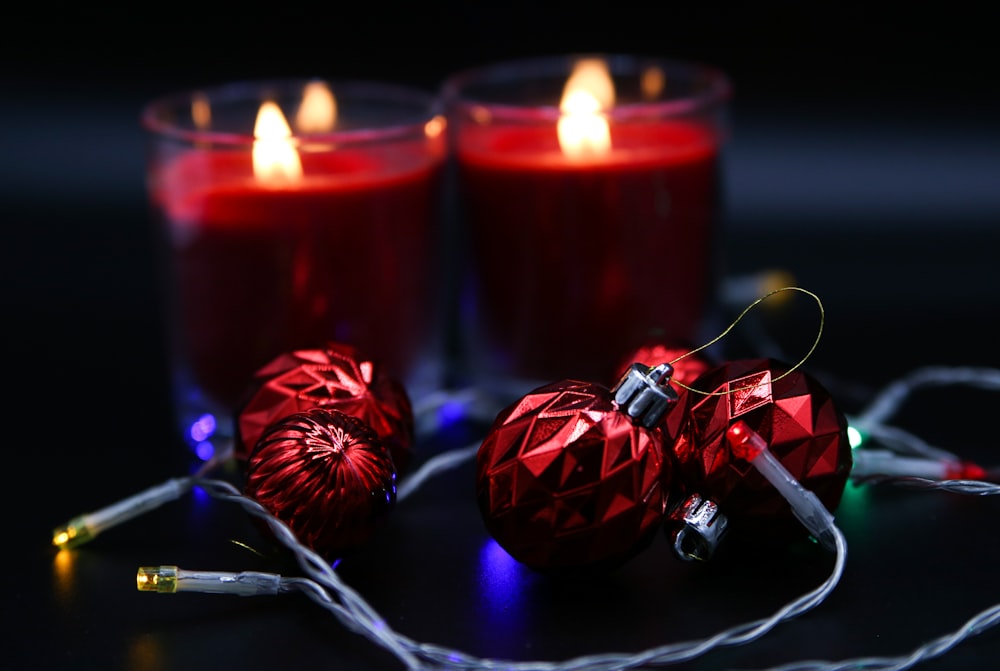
(566, 481)
(797, 418)
(337, 376)
(327, 476)
(686, 370)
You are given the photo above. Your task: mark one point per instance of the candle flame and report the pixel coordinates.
(201, 111)
(481, 115)
(652, 82)
(588, 92)
(318, 111)
(435, 127)
(275, 158)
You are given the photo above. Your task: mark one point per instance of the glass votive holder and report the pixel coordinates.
(591, 201)
(291, 214)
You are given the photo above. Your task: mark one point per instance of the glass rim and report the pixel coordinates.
(426, 107)
(453, 90)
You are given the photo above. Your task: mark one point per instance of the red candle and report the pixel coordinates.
(580, 257)
(260, 264)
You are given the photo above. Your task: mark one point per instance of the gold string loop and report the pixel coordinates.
(819, 333)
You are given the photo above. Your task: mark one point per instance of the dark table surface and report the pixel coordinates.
(891, 221)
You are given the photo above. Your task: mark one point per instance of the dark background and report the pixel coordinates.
(865, 160)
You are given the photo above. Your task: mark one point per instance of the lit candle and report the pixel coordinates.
(289, 234)
(591, 198)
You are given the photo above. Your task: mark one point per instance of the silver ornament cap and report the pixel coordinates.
(697, 527)
(644, 393)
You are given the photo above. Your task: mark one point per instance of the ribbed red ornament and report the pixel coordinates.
(325, 474)
(567, 482)
(336, 376)
(797, 418)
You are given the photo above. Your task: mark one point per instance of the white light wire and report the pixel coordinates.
(970, 487)
(324, 587)
(974, 626)
(890, 399)
(900, 440)
(358, 616)
(885, 404)
(437, 464)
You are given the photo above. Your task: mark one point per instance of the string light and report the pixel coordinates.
(170, 580)
(906, 460)
(909, 460)
(871, 422)
(970, 487)
(888, 401)
(871, 463)
(974, 626)
(85, 527)
(806, 506)
(325, 587)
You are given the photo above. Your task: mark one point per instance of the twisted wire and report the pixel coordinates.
(971, 487)
(324, 587)
(974, 626)
(887, 402)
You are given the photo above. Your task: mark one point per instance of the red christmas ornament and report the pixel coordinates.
(802, 427)
(572, 476)
(325, 474)
(339, 377)
(686, 370)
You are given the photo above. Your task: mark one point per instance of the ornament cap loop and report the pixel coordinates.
(644, 393)
(697, 527)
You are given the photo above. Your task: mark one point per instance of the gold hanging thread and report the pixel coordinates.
(819, 333)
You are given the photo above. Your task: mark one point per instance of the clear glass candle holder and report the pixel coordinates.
(292, 214)
(591, 204)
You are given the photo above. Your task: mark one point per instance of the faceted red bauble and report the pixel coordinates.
(797, 418)
(565, 481)
(337, 376)
(326, 475)
(686, 370)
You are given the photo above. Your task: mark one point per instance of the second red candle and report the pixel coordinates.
(579, 255)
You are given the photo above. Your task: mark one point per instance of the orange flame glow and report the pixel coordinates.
(201, 111)
(435, 127)
(652, 82)
(275, 158)
(588, 92)
(318, 111)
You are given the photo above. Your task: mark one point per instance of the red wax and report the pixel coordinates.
(580, 260)
(344, 254)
